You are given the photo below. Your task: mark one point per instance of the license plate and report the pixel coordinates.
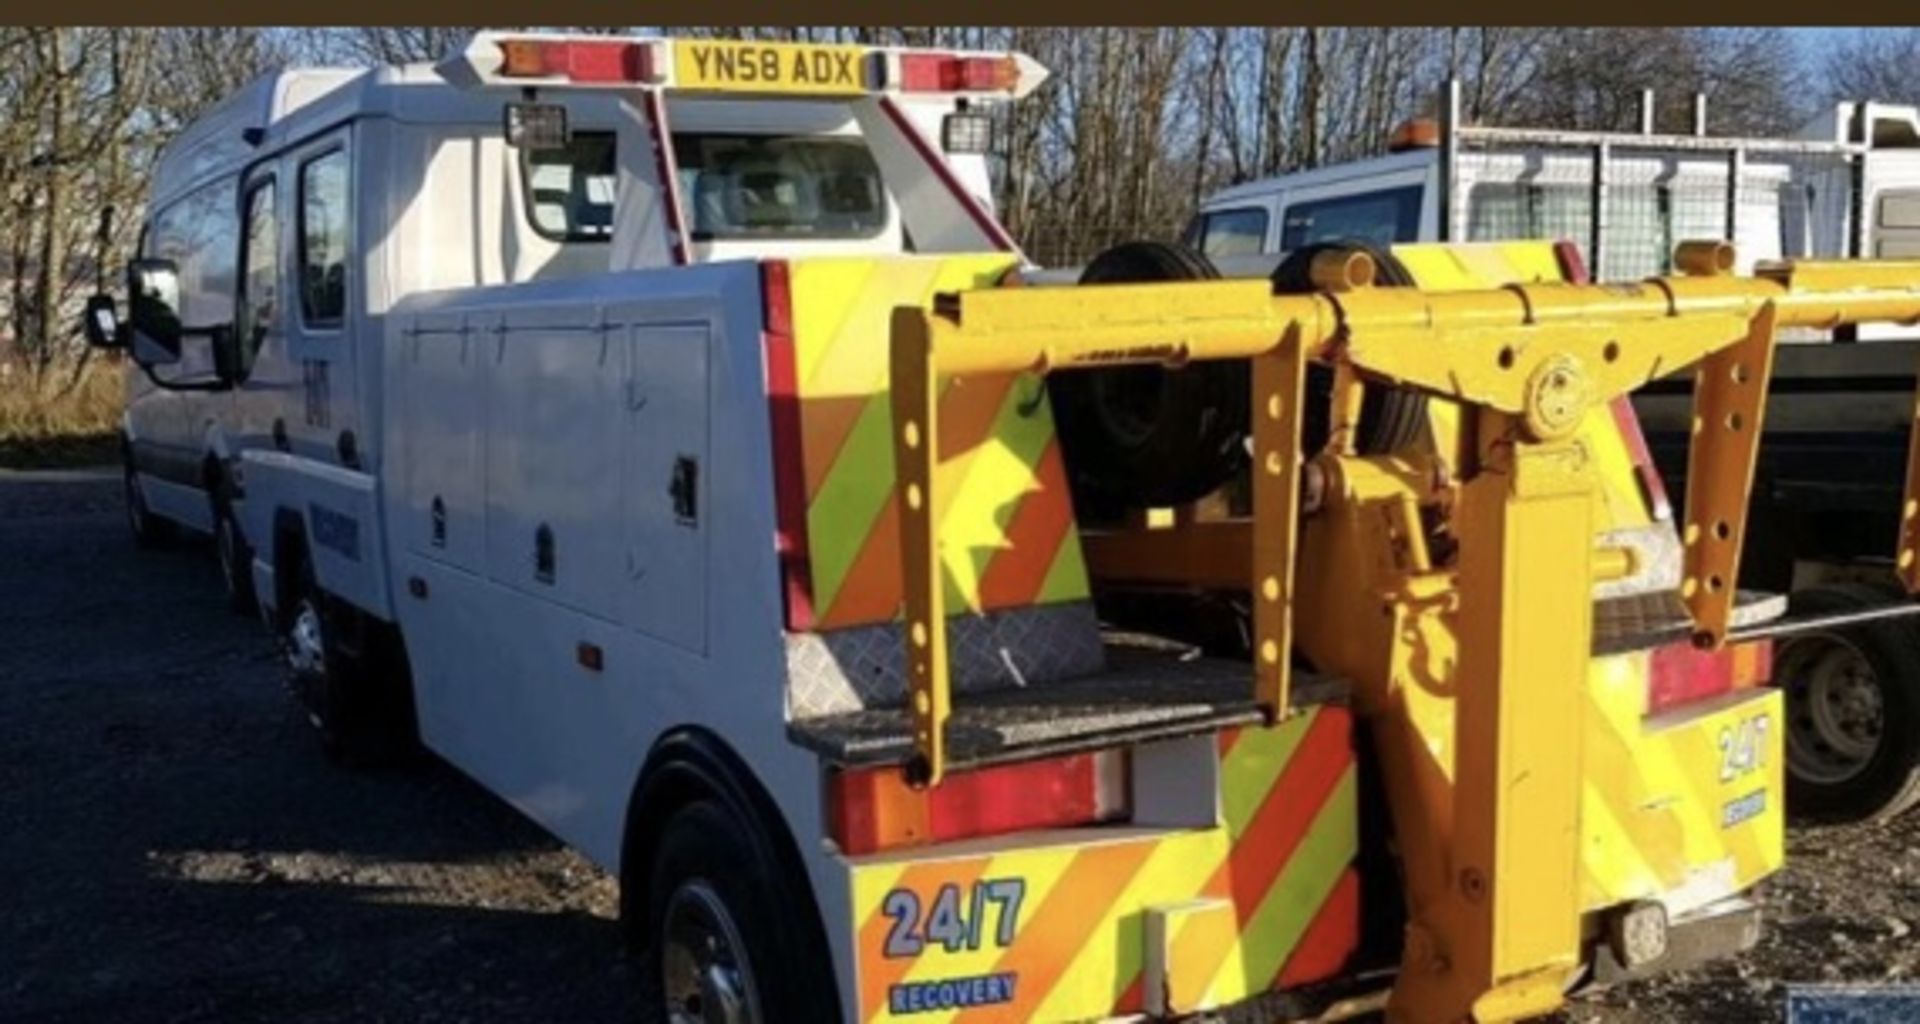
(724, 66)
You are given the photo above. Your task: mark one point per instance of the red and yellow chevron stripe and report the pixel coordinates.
(1048, 930)
(1007, 524)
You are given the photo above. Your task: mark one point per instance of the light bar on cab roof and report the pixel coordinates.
(768, 69)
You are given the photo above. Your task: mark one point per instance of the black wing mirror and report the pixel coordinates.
(153, 300)
(101, 323)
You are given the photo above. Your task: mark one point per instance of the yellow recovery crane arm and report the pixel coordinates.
(1491, 859)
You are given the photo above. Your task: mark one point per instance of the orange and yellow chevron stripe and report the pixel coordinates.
(1048, 930)
(1007, 524)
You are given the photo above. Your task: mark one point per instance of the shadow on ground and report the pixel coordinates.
(175, 848)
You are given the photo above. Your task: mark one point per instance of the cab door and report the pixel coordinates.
(259, 308)
(317, 368)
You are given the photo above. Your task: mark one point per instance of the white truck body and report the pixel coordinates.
(1798, 197)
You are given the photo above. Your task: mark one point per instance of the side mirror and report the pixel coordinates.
(153, 300)
(101, 323)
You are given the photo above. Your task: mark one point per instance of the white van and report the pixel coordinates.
(300, 209)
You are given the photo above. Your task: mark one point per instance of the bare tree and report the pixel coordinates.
(1875, 64)
(388, 44)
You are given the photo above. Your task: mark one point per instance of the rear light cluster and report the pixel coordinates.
(934, 72)
(575, 60)
(1681, 674)
(874, 809)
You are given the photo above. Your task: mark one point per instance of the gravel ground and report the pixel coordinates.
(174, 847)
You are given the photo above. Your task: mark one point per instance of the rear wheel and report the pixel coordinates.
(356, 692)
(1853, 710)
(718, 936)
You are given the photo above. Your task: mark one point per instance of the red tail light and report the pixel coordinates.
(578, 60)
(874, 809)
(1680, 674)
(933, 72)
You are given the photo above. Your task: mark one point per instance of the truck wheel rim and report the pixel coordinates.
(1835, 717)
(705, 976)
(306, 641)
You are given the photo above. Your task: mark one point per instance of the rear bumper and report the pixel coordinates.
(1685, 808)
(1116, 921)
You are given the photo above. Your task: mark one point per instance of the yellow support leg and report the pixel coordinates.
(1277, 388)
(1729, 402)
(1495, 931)
(916, 443)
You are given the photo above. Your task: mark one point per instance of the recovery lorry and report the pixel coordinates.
(1826, 495)
(760, 576)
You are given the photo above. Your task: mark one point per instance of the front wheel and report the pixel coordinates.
(149, 530)
(236, 558)
(718, 945)
(1853, 710)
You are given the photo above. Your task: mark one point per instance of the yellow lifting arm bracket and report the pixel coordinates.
(1540, 355)
(916, 447)
(1729, 403)
(1278, 388)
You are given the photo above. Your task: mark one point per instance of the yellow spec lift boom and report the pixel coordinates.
(1490, 855)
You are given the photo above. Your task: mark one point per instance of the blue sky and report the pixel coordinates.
(1812, 41)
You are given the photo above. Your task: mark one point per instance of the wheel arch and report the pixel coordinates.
(289, 539)
(686, 765)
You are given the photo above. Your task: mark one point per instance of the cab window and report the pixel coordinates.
(324, 219)
(739, 186)
(1382, 217)
(570, 188)
(260, 269)
(1218, 233)
(200, 233)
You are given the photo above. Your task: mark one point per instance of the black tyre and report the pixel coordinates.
(356, 691)
(1853, 709)
(1390, 419)
(723, 938)
(236, 557)
(149, 530)
(1140, 436)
